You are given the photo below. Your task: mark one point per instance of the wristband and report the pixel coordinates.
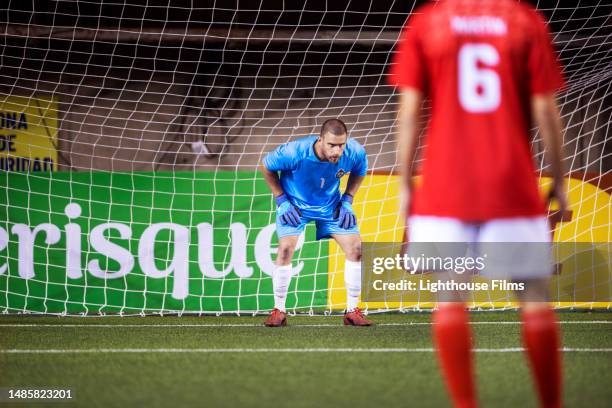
(347, 197)
(281, 199)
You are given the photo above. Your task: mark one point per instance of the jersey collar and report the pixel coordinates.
(313, 156)
(311, 152)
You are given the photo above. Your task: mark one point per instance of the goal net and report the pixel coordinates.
(131, 134)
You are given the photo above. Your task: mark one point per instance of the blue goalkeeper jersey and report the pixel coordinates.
(313, 185)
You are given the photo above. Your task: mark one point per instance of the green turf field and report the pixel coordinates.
(314, 362)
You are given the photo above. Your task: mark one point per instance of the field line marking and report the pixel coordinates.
(280, 350)
(191, 325)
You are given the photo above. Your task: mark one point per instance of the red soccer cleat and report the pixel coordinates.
(276, 319)
(356, 318)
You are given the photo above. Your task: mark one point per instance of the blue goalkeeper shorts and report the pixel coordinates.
(326, 226)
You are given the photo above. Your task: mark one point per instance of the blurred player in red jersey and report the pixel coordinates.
(490, 71)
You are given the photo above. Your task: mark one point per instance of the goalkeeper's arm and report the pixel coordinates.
(344, 210)
(272, 180)
(353, 184)
(286, 212)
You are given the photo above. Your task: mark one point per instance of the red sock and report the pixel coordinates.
(451, 333)
(541, 339)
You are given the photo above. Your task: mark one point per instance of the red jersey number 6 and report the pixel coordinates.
(479, 87)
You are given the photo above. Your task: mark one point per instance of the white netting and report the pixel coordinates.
(155, 117)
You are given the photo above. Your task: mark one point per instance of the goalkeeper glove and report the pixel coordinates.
(344, 212)
(286, 212)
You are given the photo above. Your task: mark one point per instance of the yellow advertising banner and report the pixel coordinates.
(588, 219)
(28, 134)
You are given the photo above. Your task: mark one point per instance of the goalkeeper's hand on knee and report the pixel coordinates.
(344, 212)
(287, 213)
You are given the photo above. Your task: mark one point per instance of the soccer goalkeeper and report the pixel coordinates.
(308, 189)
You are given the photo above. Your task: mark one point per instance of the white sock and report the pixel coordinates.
(352, 281)
(280, 283)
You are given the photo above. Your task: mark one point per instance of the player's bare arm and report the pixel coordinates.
(546, 116)
(407, 140)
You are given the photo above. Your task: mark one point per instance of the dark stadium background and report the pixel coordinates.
(280, 68)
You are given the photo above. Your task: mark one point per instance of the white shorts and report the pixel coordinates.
(512, 260)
